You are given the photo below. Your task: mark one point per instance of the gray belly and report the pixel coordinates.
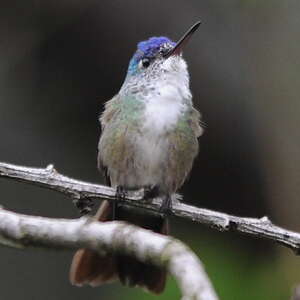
(146, 163)
(137, 157)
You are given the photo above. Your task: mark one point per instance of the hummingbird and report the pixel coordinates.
(149, 141)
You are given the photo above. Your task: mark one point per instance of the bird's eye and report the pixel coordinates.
(145, 62)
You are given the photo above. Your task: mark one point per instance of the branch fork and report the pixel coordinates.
(18, 230)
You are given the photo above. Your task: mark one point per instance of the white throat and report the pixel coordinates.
(167, 98)
(170, 96)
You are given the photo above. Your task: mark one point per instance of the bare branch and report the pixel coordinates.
(51, 179)
(163, 251)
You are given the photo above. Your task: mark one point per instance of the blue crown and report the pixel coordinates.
(150, 47)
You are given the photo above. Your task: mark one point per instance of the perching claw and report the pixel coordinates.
(120, 195)
(150, 192)
(166, 206)
(84, 205)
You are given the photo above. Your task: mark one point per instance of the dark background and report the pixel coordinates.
(61, 60)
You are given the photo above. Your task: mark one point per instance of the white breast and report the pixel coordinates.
(169, 97)
(163, 110)
(163, 107)
(161, 115)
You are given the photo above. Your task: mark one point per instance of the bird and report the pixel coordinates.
(149, 141)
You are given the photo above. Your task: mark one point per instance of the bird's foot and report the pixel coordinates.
(150, 192)
(166, 206)
(120, 195)
(120, 192)
(84, 205)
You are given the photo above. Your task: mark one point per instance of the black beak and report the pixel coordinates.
(183, 41)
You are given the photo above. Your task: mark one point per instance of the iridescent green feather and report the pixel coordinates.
(183, 147)
(119, 118)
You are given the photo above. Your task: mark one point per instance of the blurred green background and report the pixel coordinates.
(61, 60)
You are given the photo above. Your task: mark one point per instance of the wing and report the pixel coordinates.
(121, 123)
(195, 122)
(111, 110)
(183, 148)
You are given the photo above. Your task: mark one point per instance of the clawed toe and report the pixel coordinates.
(151, 192)
(83, 205)
(120, 192)
(166, 207)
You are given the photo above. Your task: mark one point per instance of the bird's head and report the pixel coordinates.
(157, 59)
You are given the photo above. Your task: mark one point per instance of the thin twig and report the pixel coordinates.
(117, 237)
(51, 179)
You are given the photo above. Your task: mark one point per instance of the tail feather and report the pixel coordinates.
(135, 273)
(89, 267)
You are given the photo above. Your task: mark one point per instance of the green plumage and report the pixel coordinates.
(149, 140)
(122, 125)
